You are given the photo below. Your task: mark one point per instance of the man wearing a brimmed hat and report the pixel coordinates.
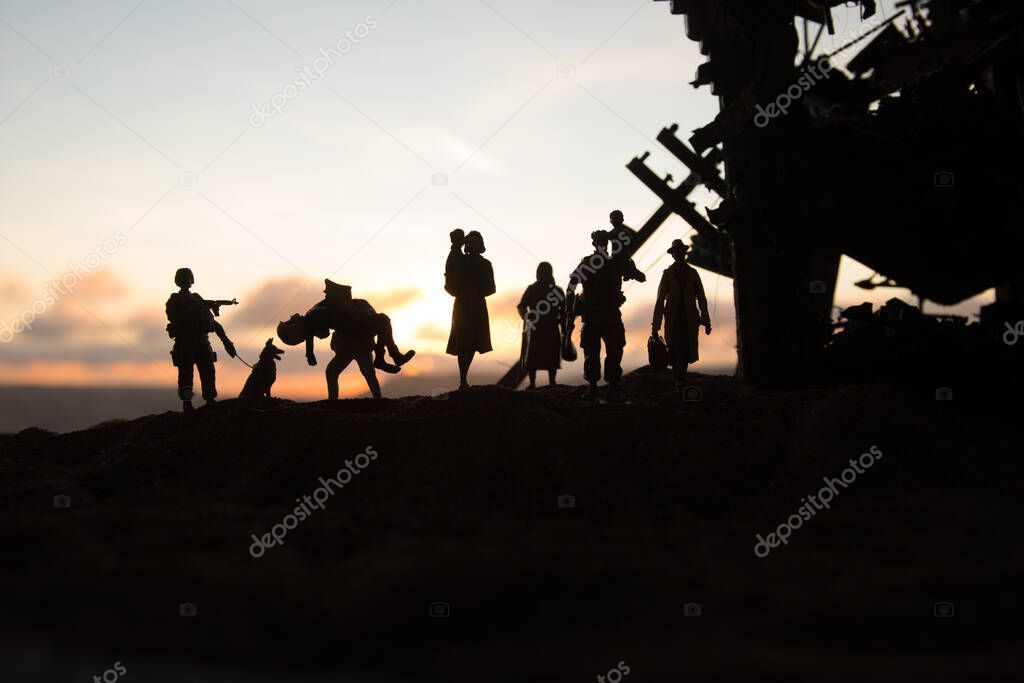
(683, 305)
(356, 325)
(601, 275)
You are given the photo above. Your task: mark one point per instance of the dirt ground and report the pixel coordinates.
(465, 510)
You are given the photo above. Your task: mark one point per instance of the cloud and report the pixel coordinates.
(431, 331)
(278, 298)
(101, 287)
(273, 300)
(14, 290)
(389, 301)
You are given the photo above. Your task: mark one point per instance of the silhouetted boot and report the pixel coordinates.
(401, 358)
(186, 406)
(592, 394)
(615, 394)
(381, 364)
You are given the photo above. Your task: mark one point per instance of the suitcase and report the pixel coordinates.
(657, 353)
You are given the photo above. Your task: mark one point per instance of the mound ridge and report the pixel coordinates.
(462, 507)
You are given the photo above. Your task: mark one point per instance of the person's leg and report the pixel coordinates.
(614, 344)
(386, 339)
(333, 371)
(590, 341)
(551, 377)
(208, 378)
(680, 353)
(365, 363)
(533, 378)
(465, 360)
(185, 377)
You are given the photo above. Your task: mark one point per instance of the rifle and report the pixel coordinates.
(214, 305)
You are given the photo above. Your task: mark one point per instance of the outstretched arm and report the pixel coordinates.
(228, 346)
(310, 356)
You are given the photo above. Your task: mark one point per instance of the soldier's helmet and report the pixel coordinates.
(599, 238)
(293, 330)
(183, 277)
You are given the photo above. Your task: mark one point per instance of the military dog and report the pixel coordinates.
(263, 374)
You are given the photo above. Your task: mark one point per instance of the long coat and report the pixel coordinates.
(471, 328)
(543, 340)
(681, 301)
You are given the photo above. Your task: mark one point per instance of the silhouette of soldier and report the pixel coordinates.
(190, 319)
(361, 334)
(542, 309)
(682, 303)
(620, 230)
(601, 276)
(471, 279)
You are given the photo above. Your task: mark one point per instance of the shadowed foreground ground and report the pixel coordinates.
(461, 506)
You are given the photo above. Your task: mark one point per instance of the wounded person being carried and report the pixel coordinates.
(360, 333)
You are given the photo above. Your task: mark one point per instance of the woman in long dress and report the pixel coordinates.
(473, 282)
(542, 309)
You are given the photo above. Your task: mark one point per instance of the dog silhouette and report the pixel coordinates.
(264, 373)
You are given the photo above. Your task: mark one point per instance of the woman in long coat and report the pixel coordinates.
(542, 309)
(471, 327)
(682, 303)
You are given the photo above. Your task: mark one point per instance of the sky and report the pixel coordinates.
(269, 145)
